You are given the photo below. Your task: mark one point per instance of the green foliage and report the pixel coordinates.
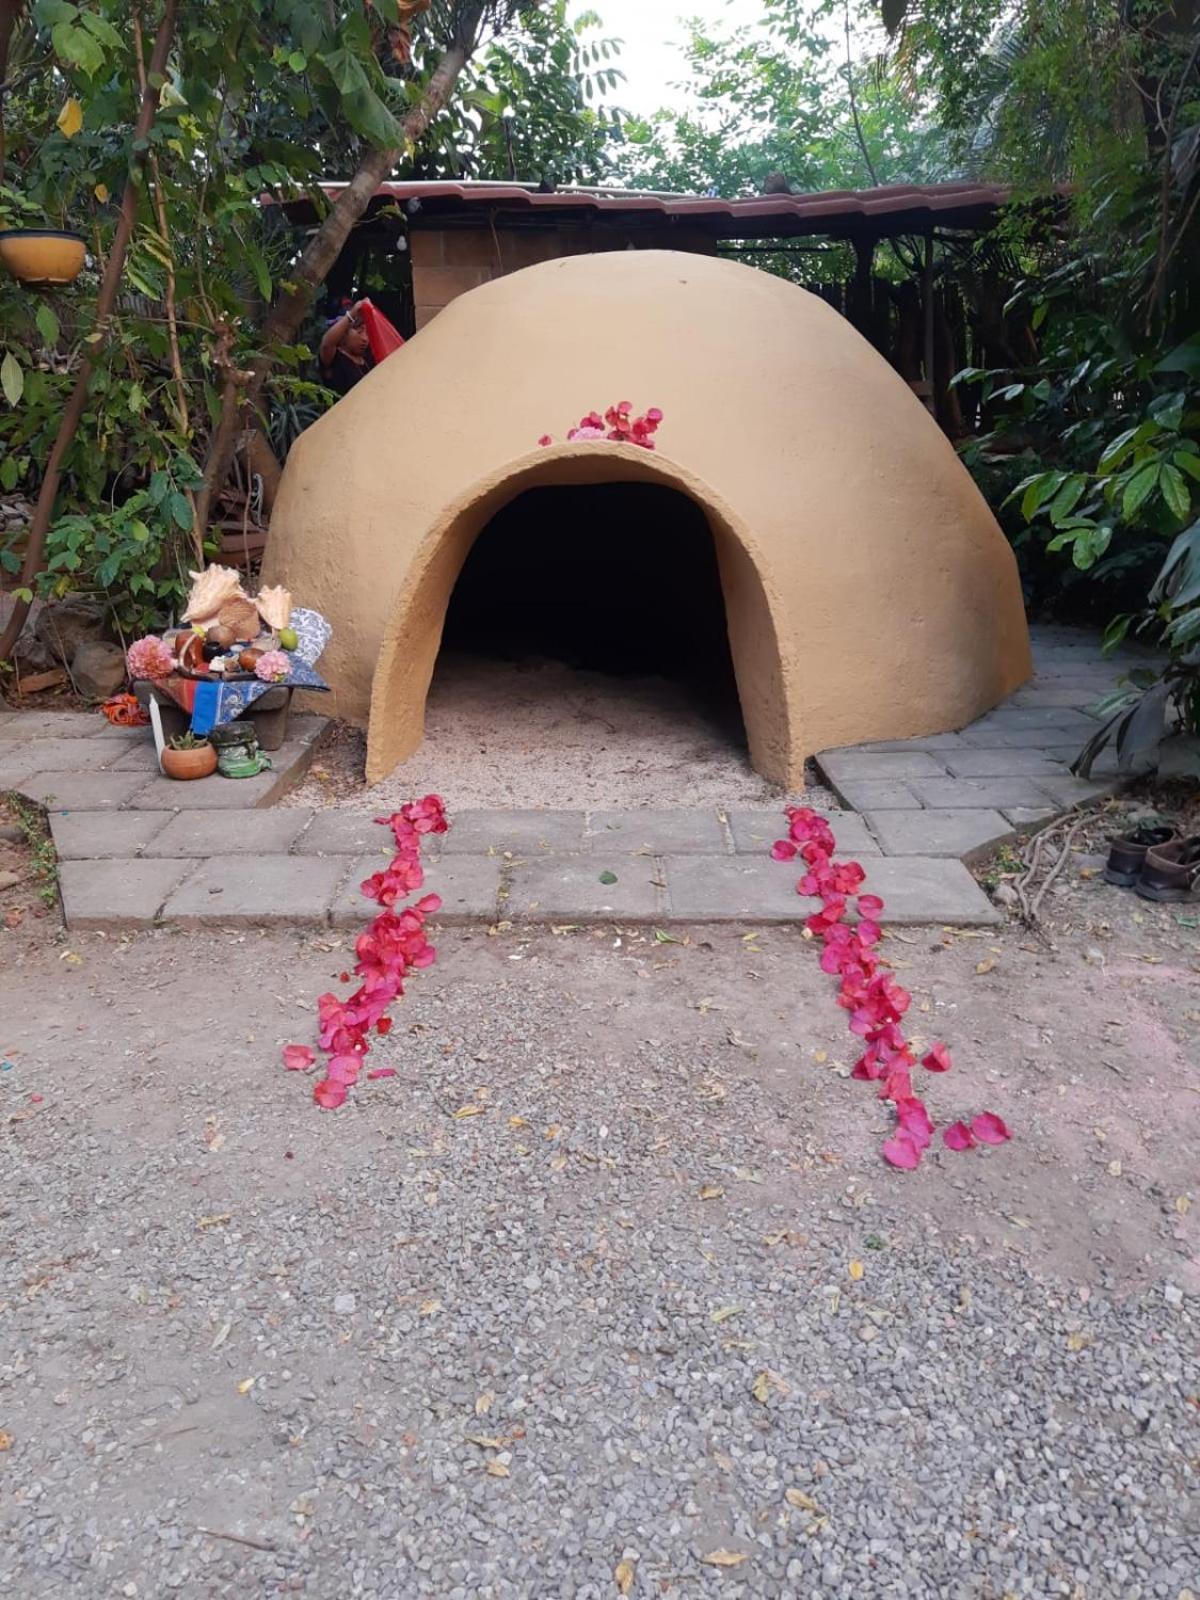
(260, 97)
(43, 856)
(1096, 439)
(532, 105)
(774, 97)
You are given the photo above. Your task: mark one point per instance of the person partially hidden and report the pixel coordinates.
(344, 356)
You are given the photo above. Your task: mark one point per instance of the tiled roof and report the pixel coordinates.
(897, 208)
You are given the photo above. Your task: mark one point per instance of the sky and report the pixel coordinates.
(652, 31)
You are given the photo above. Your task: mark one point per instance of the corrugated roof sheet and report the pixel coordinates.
(898, 208)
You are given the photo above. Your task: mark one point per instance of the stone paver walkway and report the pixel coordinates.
(136, 848)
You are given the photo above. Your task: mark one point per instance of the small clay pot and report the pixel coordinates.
(42, 255)
(184, 764)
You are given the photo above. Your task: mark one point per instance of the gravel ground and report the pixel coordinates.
(540, 733)
(481, 1333)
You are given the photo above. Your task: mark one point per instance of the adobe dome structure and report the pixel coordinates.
(869, 593)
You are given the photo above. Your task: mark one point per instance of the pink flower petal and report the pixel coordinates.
(329, 1095)
(902, 1152)
(913, 1120)
(783, 850)
(297, 1057)
(937, 1059)
(988, 1128)
(958, 1137)
(382, 1072)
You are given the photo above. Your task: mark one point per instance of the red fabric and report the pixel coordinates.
(381, 335)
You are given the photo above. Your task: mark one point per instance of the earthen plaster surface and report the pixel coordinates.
(869, 592)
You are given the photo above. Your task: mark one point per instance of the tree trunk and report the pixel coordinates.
(287, 315)
(10, 11)
(43, 511)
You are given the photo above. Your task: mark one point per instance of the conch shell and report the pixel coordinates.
(210, 589)
(274, 607)
(240, 616)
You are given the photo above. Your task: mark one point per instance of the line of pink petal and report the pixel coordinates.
(392, 946)
(876, 1003)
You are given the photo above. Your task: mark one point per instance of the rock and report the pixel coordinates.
(7, 879)
(1004, 894)
(63, 625)
(1173, 1295)
(32, 655)
(344, 1304)
(11, 834)
(98, 669)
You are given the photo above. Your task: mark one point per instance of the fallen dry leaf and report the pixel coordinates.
(497, 1469)
(765, 1382)
(798, 1498)
(984, 966)
(624, 1576)
(723, 1313)
(484, 1441)
(712, 1191)
(517, 1122)
(467, 1111)
(1078, 1341)
(214, 1221)
(725, 1558)
(1114, 1169)
(485, 1402)
(856, 1270)
(1183, 1205)
(246, 1385)
(6, 1441)
(428, 1307)
(557, 1163)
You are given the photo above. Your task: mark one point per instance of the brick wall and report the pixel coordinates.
(448, 262)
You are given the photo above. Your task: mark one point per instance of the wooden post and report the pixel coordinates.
(864, 262)
(927, 308)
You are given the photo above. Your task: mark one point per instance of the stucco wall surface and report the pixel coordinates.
(869, 592)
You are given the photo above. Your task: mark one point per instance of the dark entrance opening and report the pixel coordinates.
(614, 578)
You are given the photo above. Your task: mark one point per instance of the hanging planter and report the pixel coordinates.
(43, 256)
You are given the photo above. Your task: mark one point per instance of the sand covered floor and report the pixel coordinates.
(541, 733)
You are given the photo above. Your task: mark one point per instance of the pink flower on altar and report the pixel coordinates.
(272, 666)
(545, 440)
(585, 433)
(149, 658)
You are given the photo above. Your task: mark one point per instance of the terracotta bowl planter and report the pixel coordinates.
(198, 763)
(42, 255)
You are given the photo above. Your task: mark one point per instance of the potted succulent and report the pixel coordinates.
(37, 255)
(189, 757)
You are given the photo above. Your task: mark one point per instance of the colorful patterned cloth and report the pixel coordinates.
(212, 702)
